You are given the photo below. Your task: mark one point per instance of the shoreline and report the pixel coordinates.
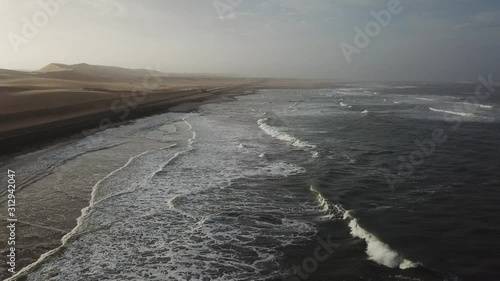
(68, 122)
(28, 139)
(32, 247)
(31, 142)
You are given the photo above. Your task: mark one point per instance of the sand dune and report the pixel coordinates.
(59, 96)
(87, 70)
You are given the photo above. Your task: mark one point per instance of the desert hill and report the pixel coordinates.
(83, 70)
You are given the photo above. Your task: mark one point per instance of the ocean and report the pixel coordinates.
(371, 181)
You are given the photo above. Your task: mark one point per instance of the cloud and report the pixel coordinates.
(360, 3)
(488, 18)
(107, 7)
(282, 38)
(5, 8)
(483, 19)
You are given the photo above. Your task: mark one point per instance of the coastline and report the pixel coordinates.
(33, 137)
(34, 240)
(22, 132)
(37, 239)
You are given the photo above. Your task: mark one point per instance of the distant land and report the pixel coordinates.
(103, 71)
(97, 70)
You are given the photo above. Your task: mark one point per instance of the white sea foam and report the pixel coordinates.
(170, 128)
(405, 87)
(425, 99)
(343, 104)
(464, 114)
(85, 213)
(283, 169)
(350, 93)
(331, 210)
(350, 159)
(365, 111)
(191, 220)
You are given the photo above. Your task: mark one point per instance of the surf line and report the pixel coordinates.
(148, 179)
(84, 214)
(190, 147)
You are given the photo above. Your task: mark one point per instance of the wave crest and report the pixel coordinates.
(376, 250)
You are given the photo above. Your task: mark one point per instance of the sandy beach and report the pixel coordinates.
(38, 106)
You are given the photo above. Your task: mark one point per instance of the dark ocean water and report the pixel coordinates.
(443, 210)
(365, 182)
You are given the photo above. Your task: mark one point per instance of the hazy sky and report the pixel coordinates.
(453, 40)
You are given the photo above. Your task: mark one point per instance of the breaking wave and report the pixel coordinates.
(278, 134)
(425, 99)
(476, 105)
(464, 114)
(376, 250)
(486, 106)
